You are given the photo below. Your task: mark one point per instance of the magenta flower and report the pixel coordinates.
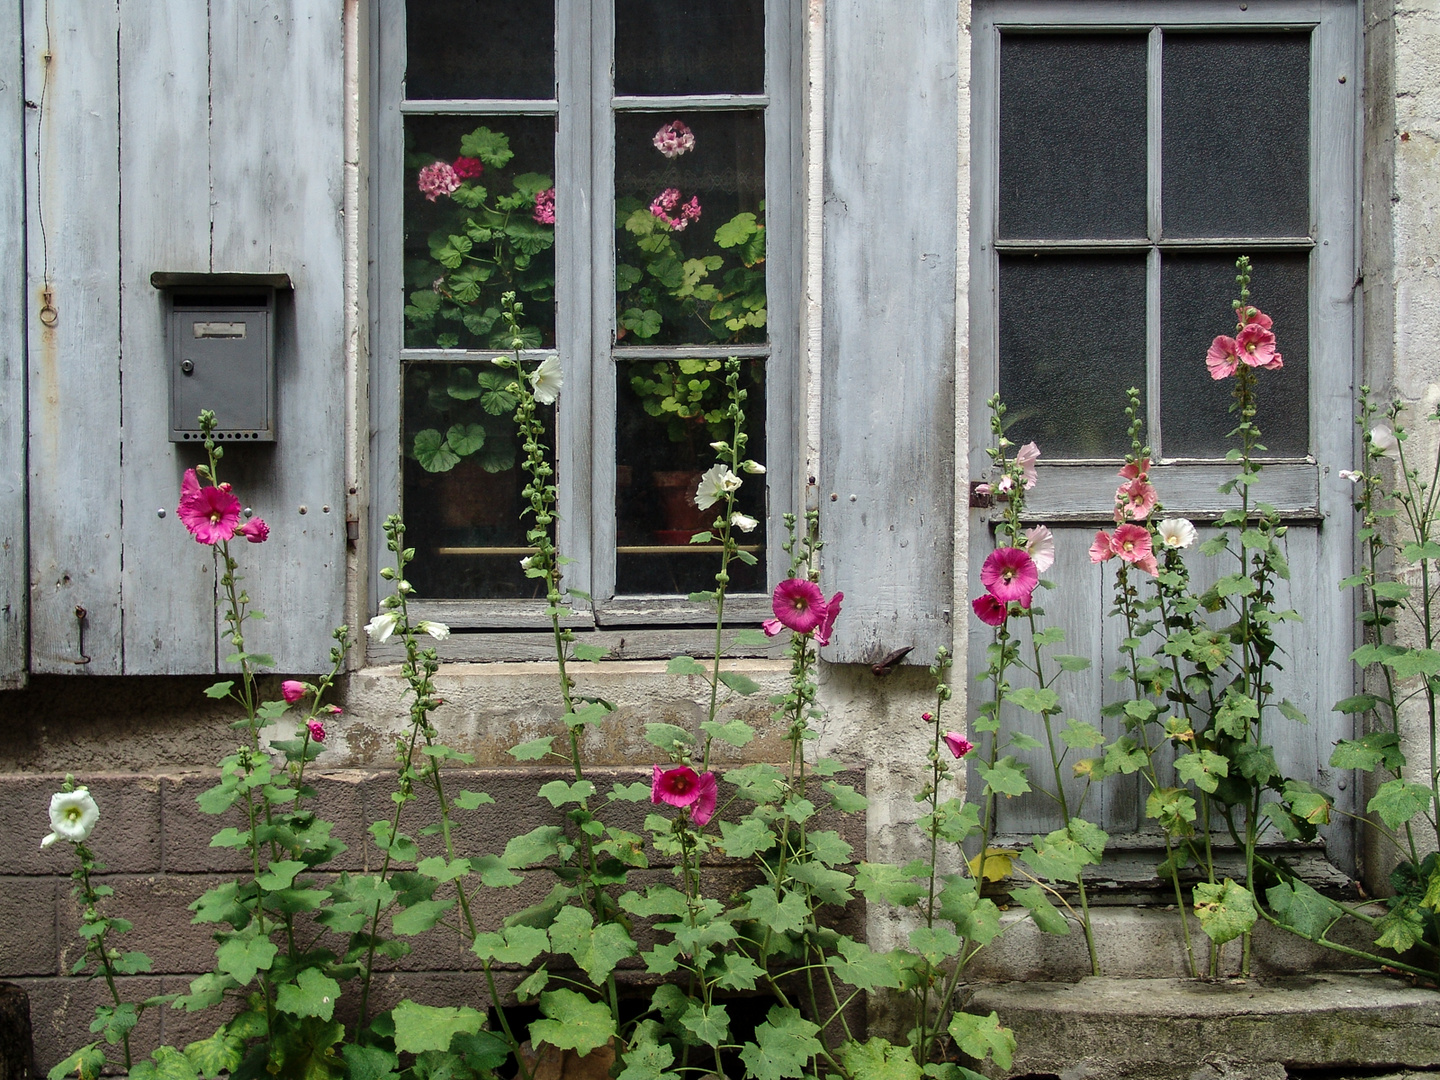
(210, 514)
(674, 139)
(1009, 574)
(772, 627)
(438, 178)
(545, 207)
(958, 744)
(665, 203)
(1223, 357)
(467, 168)
(255, 530)
(989, 610)
(832, 612)
(317, 730)
(292, 691)
(1256, 346)
(799, 604)
(683, 787)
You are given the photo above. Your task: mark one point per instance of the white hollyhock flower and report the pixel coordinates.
(1040, 545)
(546, 380)
(526, 561)
(715, 484)
(1352, 475)
(1382, 438)
(72, 815)
(752, 467)
(1176, 533)
(382, 626)
(438, 630)
(743, 522)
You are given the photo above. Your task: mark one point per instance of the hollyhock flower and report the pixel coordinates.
(1040, 546)
(958, 744)
(703, 808)
(1223, 357)
(292, 691)
(336, 710)
(927, 717)
(1256, 347)
(989, 610)
(546, 380)
(467, 168)
(983, 489)
(799, 604)
(674, 139)
(1247, 316)
(1135, 500)
(438, 630)
(382, 626)
(1026, 457)
(1009, 574)
(210, 514)
(1103, 549)
(316, 729)
(1382, 439)
(752, 467)
(827, 624)
(545, 207)
(1132, 544)
(683, 787)
(72, 815)
(1351, 475)
(438, 178)
(772, 627)
(1176, 533)
(255, 530)
(743, 522)
(715, 483)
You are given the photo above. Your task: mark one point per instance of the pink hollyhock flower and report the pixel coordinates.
(1040, 546)
(1009, 574)
(958, 744)
(989, 610)
(1223, 357)
(927, 717)
(1135, 470)
(1247, 316)
(1135, 500)
(983, 489)
(799, 604)
(674, 139)
(210, 514)
(255, 530)
(683, 787)
(317, 730)
(292, 691)
(1256, 347)
(1103, 549)
(545, 207)
(772, 627)
(438, 178)
(335, 710)
(467, 168)
(1026, 457)
(832, 612)
(1132, 544)
(703, 808)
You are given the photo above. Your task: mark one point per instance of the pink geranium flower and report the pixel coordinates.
(317, 730)
(438, 178)
(545, 207)
(255, 530)
(467, 168)
(1223, 357)
(664, 204)
(1256, 347)
(1040, 546)
(1009, 574)
(799, 604)
(674, 139)
(958, 744)
(292, 691)
(827, 624)
(210, 514)
(683, 787)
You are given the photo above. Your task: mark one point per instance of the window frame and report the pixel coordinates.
(585, 326)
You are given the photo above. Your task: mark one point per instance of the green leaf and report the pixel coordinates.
(280, 876)
(735, 732)
(1397, 801)
(711, 1027)
(534, 847)
(1225, 911)
(1036, 700)
(596, 949)
(572, 1022)
(512, 945)
(559, 792)
(220, 1053)
(220, 689)
(1005, 777)
(736, 231)
(1033, 899)
(876, 1059)
(1234, 714)
(1081, 734)
(891, 884)
(1401, 928)
(746, 838)
(1203, 768)
(1300, 908)
(828, 886)
(738, 972)
(529, 988)
(1073, 663)
(433, 452)
(740, 683)
(533, 750)
(369, 1062)
(166, 1063)
(1414, 662)
(935, 943)
(589, 653)
(982, 1037)
(1290, 712)
(431, 1027)
(857, 964)
(749, 638)
(465, 439)
(783, 1046)
(241, 957)
(313, 993)
(656, 900)
(85, 1063)
(845, 798)
(471, 800)
(1234, 585)
(491, 147)
(417, 918)
(787, 915)
(647, 1062)
(494, 874)
(668, 736)
(686, 665)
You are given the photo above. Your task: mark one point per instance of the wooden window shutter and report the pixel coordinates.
(14, 606)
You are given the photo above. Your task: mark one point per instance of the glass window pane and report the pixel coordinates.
(462, 496)
(669, 412)
(690, 228)
(1196, 292)
(479, 221)
(479, 49)
(1063, 374)
(1235, 156)
(689, 47)
(1072, 135)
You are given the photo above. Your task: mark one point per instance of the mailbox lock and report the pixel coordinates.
(187, 366)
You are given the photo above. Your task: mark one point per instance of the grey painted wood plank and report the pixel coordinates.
(623, 645)
(168, 580)
(14, 541)
(1087, 492)
(73, 389)
(277, 185)
(888, 352)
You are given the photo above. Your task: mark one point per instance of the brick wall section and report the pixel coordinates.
(155, 845)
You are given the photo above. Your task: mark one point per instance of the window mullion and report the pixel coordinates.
(601, 160)
(1155, 227)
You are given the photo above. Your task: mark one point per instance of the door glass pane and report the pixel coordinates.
(1196, 292)
(462, 496)
(479, 221)
(1072, 136)
(1235, 156)
(689, 47)
(690, 228)
(479, 49)
(1069, 351)
(669, 412)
